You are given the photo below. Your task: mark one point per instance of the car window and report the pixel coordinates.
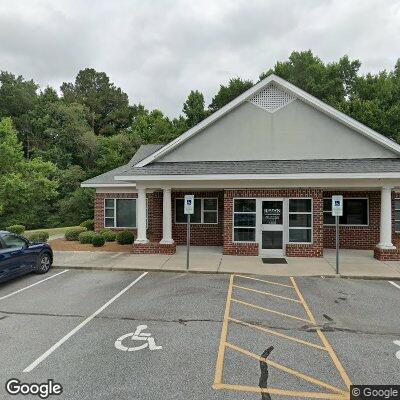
(11, 241)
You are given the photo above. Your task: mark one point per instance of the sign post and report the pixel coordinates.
(337, 211)
(188, 210)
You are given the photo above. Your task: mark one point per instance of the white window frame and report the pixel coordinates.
(244, 227)
(115, 212)
(347, 198)
(396, 209)
(201, 211)
(303, 213)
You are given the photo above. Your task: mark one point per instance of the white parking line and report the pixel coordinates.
(81, 325)
(395, 284)
(33, 284)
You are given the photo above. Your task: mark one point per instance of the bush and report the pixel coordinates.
(88, 224)
(73, 233)
(125, 237)
(98, 241)
(18, 229)
(108, 235)
(38, 237)
(86, 237)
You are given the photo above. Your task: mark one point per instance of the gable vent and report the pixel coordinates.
(272, 98)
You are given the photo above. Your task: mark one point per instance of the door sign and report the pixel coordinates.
(140, 337)
(189, 204)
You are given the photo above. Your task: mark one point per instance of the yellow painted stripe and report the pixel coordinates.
(324, 340)
(261, 328)
(282, 392)
(271, 311)
(286, 369)
(265, 281)
(219, 368)
(266, 293)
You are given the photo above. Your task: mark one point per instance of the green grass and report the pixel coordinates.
(52, 231)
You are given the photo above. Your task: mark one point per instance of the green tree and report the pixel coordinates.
(235, 87)
(193, 108)
(77, 207)
(107, 106)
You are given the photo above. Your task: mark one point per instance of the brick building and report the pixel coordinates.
(263, 170)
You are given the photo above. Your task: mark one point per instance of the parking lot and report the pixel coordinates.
(134, 335)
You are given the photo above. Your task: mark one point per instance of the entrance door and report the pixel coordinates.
(272, 228)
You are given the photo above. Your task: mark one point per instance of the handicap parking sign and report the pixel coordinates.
(189, 204)
(337, 206)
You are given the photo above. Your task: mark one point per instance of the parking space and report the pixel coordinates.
(141, 335)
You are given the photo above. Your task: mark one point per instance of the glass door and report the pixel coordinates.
(272, 228)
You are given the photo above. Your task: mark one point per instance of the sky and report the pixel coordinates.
(159, 50)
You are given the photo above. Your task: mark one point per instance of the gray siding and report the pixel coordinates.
(295, 132)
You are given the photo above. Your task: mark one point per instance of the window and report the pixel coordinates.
(397, 214)
(244, 220)
(205, 211)
(355, 212)
(120, 213)
(13, 242)
(300, 221)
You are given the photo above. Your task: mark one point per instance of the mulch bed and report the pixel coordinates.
(66, 245)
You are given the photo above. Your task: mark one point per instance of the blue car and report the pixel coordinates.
(18, 256)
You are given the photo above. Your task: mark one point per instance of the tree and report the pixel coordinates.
(227, 93)
(194, 109)
(107, 106)
(77, 207)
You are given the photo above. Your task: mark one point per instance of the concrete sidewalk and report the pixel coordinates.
(353, 263)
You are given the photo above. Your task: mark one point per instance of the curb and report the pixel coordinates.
(122, 269)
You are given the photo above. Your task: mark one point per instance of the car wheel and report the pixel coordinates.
(43, 264)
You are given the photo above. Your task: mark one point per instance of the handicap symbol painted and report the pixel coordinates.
(139, 336)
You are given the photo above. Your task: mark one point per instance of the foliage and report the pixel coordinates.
(38, 236)
(49, 144)
(98, 241)
(73, 233)
(108, 235)
(88, 224)
(18, 229)
(125, 237)
(86, 237)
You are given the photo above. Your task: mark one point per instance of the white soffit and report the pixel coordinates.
(272, 98)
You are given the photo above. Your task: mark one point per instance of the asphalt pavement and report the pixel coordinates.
(156, 335)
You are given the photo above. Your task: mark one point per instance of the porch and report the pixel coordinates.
(204, 259)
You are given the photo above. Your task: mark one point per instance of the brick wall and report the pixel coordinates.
(357, 237)
(154, 231)
(315, 249)
(200, 234)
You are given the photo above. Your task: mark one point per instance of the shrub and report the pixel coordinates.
(109, 235)
(88, 224)
(18, 229)
(125, 237)
(86, 237)
(38, 237)
(98, 241)
(73, 233)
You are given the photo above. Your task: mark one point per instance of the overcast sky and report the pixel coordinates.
(159, 50)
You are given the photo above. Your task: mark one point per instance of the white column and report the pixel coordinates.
(167, 218)
(141, 217)
(386, 219)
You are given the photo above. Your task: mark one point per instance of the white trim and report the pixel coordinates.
(201, 211)
(349, 225)
(111, 185)
(243, 227)
(304, 213)
(299, 93)
(374, 175)
(115, 212)
(396, 209)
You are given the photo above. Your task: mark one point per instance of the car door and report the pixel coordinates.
(12, 255)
